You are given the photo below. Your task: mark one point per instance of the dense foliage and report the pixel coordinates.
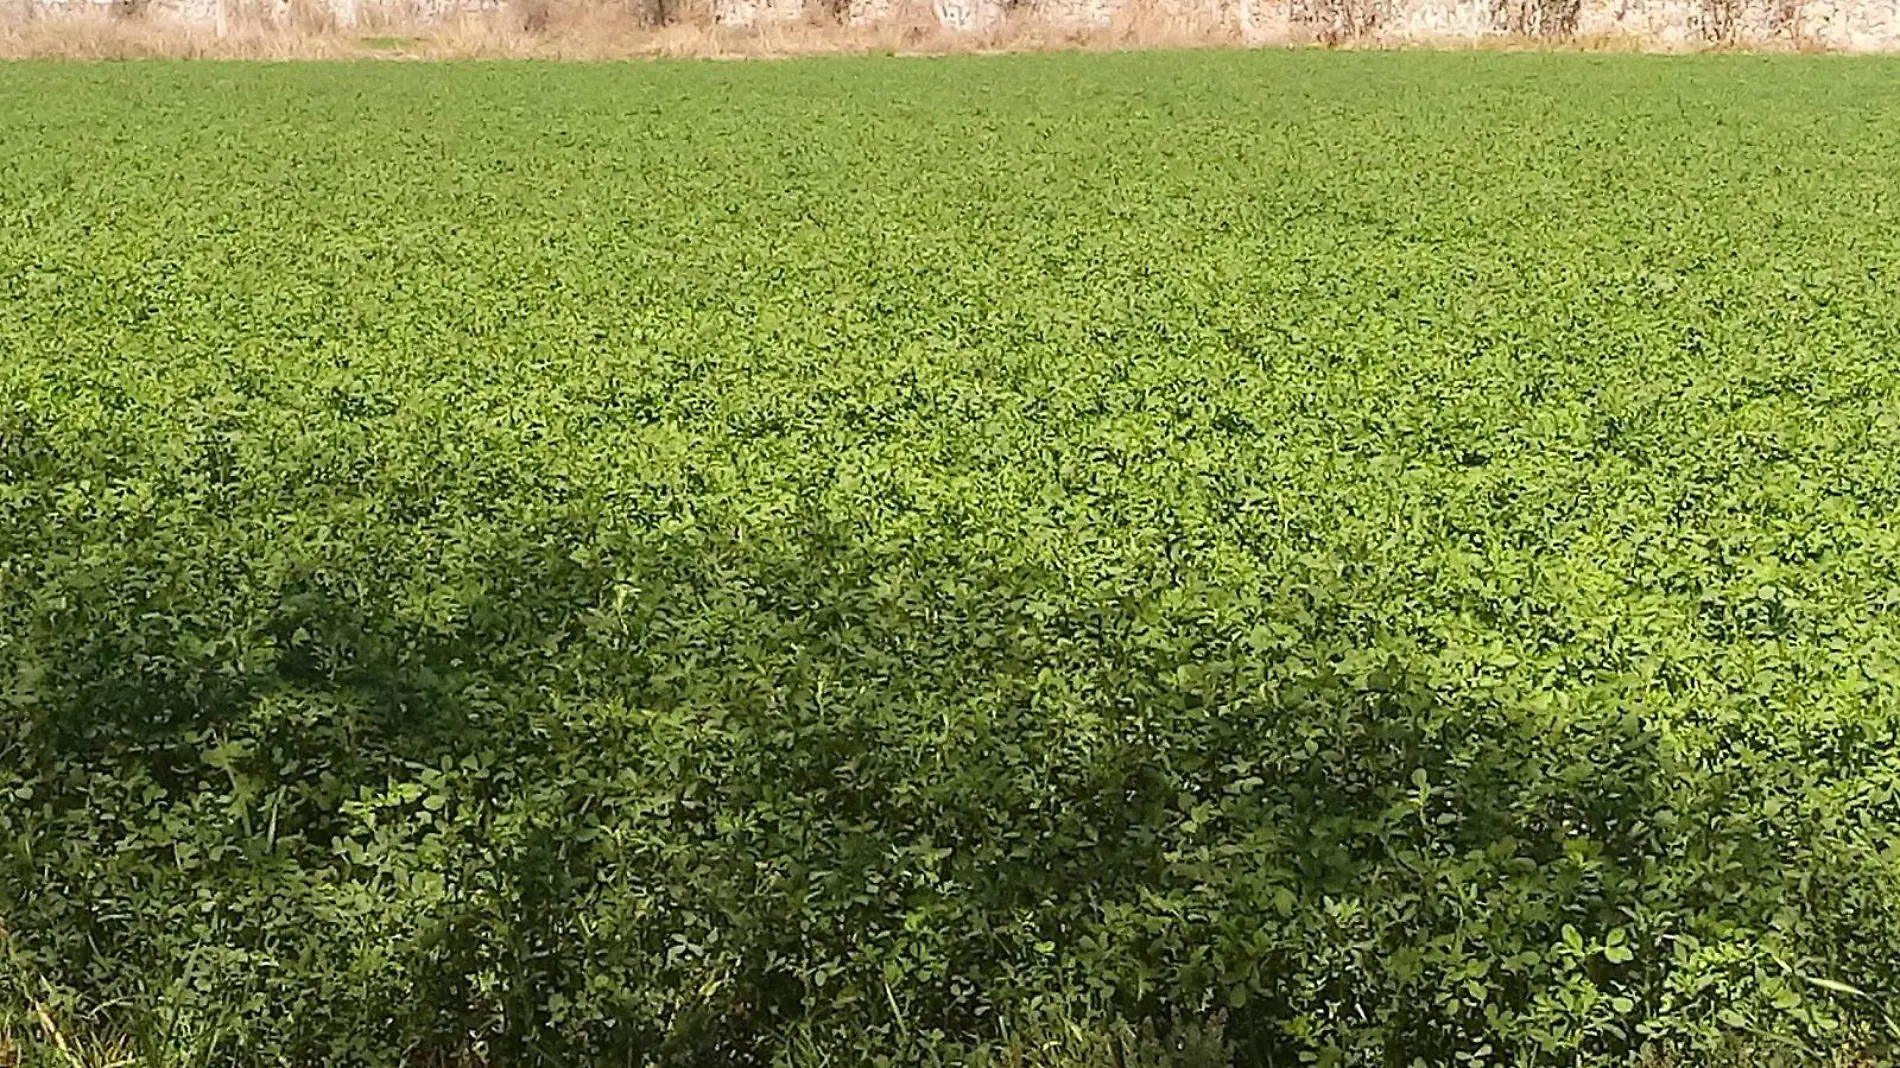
(1355, 559)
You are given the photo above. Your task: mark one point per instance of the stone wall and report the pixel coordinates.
(1849, 25)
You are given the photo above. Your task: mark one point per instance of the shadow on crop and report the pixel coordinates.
(682, 800)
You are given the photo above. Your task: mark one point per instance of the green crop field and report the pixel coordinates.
(1169, 559)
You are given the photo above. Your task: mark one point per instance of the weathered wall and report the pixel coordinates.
(1851, 25)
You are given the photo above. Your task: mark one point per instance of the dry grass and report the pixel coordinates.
(629, 29)
(56, 1046)
(562, 29)
(1622, 43)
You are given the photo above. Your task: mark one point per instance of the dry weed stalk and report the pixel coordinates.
(579, 29)
(629, 29)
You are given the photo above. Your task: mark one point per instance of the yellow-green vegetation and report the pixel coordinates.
(1272, 558)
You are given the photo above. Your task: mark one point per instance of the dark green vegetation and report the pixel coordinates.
(1389, 556)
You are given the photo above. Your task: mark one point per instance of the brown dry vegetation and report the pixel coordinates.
(632, 29)
(565, 29)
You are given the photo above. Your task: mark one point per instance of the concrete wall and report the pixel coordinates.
(1850, 25)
